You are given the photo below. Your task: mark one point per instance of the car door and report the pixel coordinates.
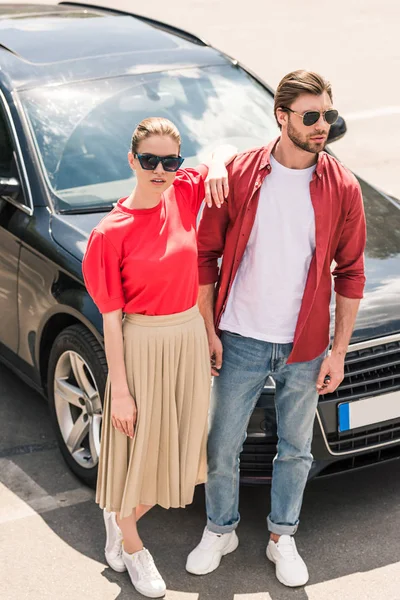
(14, 215)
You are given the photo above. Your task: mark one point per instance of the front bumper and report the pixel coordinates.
(371, 369)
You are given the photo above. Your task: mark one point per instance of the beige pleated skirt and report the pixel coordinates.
(168, 371)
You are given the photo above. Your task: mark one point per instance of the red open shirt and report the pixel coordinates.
(340, 237)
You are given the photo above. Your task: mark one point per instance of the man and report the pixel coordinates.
(291, 211)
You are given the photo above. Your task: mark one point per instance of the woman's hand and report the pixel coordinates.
(216, 184)
(123, 413)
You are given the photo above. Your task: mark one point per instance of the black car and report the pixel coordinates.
(74, 81)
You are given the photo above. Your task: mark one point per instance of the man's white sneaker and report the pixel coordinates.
(206, 557)
(144, 574)
(113, 549)
(290, 568)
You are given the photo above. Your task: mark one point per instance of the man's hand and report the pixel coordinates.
(331, 373)
(216, 184)
(123, 413)
(216, 350)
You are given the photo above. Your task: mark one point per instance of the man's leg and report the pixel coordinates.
(245, 367)
(296, 401)
(235, 392)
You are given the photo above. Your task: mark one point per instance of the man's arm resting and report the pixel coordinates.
(333, 365)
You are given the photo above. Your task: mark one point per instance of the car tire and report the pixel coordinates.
(76, 381)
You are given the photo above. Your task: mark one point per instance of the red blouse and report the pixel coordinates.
(144, 261)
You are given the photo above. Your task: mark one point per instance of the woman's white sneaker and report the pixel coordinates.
(206, 557)
(290, 568)
(144, 574)
(113, 548)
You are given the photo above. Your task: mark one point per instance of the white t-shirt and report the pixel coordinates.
(266, 295)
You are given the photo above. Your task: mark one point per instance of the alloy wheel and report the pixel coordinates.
(78, 408)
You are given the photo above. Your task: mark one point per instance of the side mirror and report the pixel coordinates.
(9, 186)
(337, 130)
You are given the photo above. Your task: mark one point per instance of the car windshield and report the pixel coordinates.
(83, 130)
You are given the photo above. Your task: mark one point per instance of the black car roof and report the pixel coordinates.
(42, 44)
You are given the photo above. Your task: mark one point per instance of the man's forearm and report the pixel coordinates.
(206, 306)
(345, 317)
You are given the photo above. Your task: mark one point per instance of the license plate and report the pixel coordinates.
(368, 411)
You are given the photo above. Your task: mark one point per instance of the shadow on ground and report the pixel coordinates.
(345, 519)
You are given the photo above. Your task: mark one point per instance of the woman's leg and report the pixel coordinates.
(141, 510)
(130, 535)
(128, 526)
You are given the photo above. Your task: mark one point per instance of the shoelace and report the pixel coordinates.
(149, 569)
(288, 549)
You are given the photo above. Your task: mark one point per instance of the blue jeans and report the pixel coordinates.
(246, 365)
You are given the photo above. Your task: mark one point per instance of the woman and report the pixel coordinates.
(142, 260)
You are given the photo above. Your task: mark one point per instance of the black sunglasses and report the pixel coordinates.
(149, 162)
(312, 116)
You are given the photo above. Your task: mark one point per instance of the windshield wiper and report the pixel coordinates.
(87, 209)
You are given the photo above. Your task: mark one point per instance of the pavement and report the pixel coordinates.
(52, 538)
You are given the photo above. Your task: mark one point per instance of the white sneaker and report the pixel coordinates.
(144, 574)
(206, 557)
(113, 549)
(290, 568)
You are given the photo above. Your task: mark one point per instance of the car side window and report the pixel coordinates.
(10, 168)
(7, 162)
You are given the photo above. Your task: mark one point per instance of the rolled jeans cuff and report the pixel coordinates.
(221, 528)
(281, 529)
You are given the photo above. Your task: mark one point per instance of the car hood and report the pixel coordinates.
(379, 313)
(72, 232)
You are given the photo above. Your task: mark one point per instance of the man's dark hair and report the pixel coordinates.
(295, 84)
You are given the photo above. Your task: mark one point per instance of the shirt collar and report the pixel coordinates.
(266, 160)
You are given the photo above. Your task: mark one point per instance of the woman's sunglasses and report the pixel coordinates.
(149, 162)
(312, 116)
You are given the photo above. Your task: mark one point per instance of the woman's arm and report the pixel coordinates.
(217, 185)
(123, 406)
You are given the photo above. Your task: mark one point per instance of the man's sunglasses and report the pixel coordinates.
(149, 162)
(312, 116)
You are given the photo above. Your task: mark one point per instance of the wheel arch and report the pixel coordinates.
(53, 325)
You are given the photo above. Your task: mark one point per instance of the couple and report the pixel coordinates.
(279, 215)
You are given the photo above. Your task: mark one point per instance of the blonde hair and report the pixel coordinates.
(154, 126)
(299, 82)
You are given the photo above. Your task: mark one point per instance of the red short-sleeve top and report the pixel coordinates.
(144, 261)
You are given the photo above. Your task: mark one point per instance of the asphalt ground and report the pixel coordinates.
(52, 538)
